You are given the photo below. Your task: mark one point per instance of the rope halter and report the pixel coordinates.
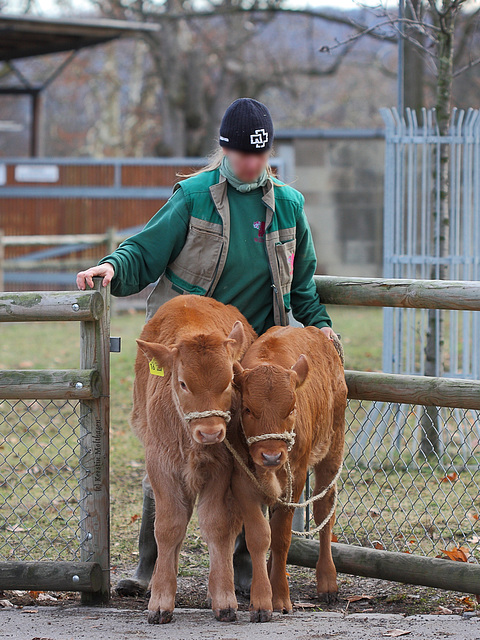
(194, 415)
(288, 436)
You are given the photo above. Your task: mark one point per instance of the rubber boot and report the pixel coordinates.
(147, 551)
(242, 566)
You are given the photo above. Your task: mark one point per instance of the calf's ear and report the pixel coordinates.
(237, 373)
(236, 340)
(301, 369)
(162, 354)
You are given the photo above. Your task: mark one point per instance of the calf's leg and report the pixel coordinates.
(257, 536)
(173, 511)
(220, 521)
(281, 531)
(325, 471)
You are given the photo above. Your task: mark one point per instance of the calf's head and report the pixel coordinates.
(201, 375)
(268, 394)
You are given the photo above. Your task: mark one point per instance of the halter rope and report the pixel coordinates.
(193, 415)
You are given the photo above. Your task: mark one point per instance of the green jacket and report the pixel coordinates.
(190, 249)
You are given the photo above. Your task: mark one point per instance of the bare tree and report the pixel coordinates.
(429, 28)
(203, 59)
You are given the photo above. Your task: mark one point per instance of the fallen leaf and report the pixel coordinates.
(43, 597)
(334, 538)
(396, 633)
(356, 598)
(305, 605)
(470, 605)
(134, 518)
(378, 545)
(458, 554)
(472, 516)
(374, 513)
(5, 604)
(451, 477)
(443, 611)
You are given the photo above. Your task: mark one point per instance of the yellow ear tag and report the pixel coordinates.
(155, 369)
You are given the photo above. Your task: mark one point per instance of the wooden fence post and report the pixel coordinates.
(2, 260)
(94, 449)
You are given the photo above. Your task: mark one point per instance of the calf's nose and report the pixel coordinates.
(210, 438)
(271, 459)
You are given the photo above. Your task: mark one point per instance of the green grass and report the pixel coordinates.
(38, 482)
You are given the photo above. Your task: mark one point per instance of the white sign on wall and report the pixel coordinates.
(36, 173)
(3, 174)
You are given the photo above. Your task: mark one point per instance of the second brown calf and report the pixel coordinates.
(290, 379)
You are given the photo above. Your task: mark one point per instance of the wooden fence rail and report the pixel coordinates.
(380, 292)
(111, 239)
(46, 306)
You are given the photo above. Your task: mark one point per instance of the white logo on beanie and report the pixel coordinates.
(223, 138)
(259, 138)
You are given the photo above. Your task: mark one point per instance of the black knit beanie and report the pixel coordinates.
(246, 126)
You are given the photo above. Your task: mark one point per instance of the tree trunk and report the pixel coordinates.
(414, 65)
(434, 361)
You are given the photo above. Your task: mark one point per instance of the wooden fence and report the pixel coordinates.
(90, 385)
(399, 388)
(419, 294)
(72, 243)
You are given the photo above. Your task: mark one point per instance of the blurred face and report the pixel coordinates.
(247, 166)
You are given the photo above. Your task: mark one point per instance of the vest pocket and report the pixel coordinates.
(197, 261)
(285, 256)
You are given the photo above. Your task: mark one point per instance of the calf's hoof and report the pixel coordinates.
(283, 608)
(260, 615)
(160, 617)
(330, 597)
(226, 615)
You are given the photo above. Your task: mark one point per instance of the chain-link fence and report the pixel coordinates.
(393, 496)
(42, 471)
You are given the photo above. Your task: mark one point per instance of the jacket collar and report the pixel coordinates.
(219, 193)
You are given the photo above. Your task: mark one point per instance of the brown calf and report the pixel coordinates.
(290, 379)
(182, 397)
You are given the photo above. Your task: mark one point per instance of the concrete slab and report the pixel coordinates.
(92, 623)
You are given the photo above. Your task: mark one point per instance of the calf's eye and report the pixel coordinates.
(183, 385)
